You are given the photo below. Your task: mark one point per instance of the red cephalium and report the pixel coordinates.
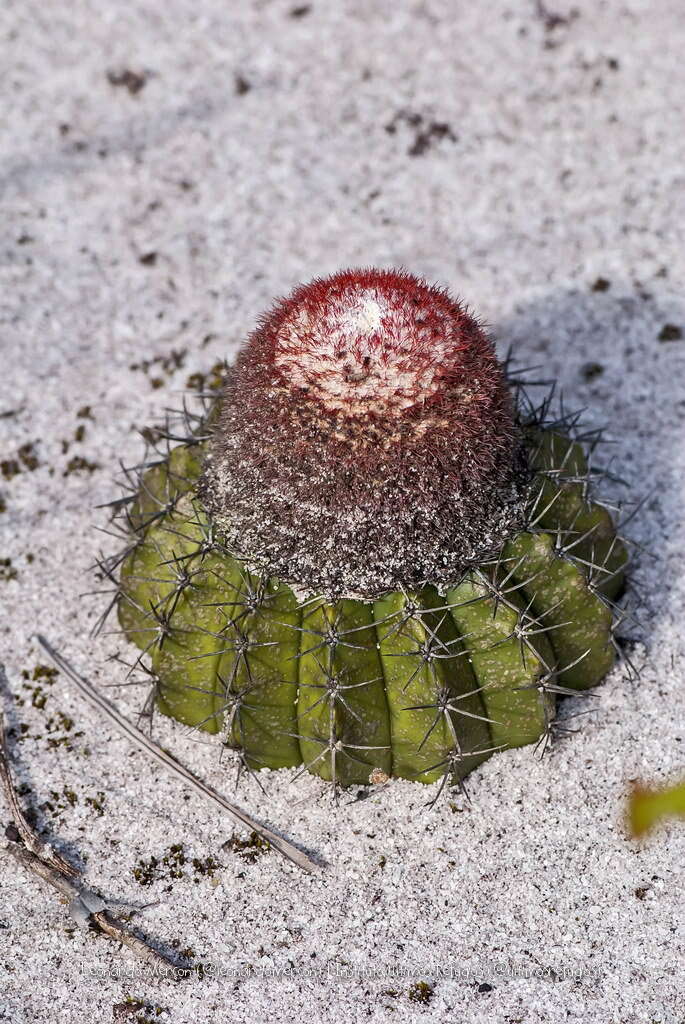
(367, 440)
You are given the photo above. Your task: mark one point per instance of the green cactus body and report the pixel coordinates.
(509, 660)
(436, 713)
(413, 684)
(372, 557)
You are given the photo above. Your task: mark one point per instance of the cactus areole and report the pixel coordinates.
(371, 556)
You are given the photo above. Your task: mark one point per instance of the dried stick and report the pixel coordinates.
(148, 746)
(106, 923)
(32, 842)
(42, 860)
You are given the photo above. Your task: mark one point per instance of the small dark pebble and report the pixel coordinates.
(7, 570)
(131, 80)
(484, 987)
(241, 85)
(9, 468)
(122, 1011)
(435, 132)
(592, 370)
(300, 12)
(601, 285)
(670, 332)
(78, 464)
(148, 259)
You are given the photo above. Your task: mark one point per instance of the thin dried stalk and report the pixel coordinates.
(33, 843)
(106, 923)
(42, 860)
(144, 743)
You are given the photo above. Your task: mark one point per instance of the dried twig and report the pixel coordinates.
(80, 906)
(42, 860)
(32, 842)
(148, 746)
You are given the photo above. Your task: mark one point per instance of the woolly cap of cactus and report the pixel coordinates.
(367, 440)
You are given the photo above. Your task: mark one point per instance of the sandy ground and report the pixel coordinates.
(530, 159)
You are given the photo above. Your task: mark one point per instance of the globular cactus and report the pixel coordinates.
(374, 556)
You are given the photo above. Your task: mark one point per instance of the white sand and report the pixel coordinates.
(561, 161)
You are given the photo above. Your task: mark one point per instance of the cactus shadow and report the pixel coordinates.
(617, 352)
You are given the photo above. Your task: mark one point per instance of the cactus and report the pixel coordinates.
(372, 555)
